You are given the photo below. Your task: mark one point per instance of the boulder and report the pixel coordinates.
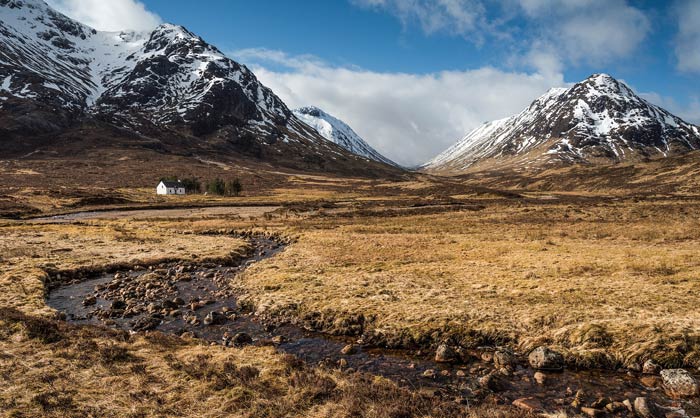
(503, 359)
(493, 382)
(214, 318)
(89, 301)
(650, 367)
(645, 408)
(349, 349)
(241, 339)
(679, 383)
(540, 378)
(615, 407)
(544, 358)
(146, 323)
(592, 412)
(445, 354)
(528, 404)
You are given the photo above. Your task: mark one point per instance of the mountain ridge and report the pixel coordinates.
(339, 132)
(599, 119)
(168, 87)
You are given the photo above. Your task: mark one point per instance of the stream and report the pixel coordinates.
(200, 300)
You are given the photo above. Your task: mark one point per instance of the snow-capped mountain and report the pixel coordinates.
(337, 131)
(167, 84)
(597, 120)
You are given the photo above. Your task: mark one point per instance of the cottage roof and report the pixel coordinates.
(173, 184)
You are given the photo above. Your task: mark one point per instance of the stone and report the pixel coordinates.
(241, 339)
(169, 304)
(214, 318)
(628, 405)
(544, 358)
(492, 382)
(650, 367)
(146, 323)
(644, 408)
(179, 301)
(89, 301)
(600, 403)
(592, 412)
(278, 339)
(540, 378)
(445, 354)
(342, 363)
(487, 356)
(503, 359)
(349, 350)
(650, 381)
(679, 383)
(614, 407)
(118, 305)
(528, 404)
(430, 374)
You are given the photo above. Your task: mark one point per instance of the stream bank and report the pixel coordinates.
(199, 300)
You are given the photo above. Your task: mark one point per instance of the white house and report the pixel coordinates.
(170, 187)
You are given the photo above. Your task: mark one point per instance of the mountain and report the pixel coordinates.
(599, 120)
(65, 87)
(337, 131)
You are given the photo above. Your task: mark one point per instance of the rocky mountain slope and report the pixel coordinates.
(62, 82)
(597, 120)
(337, 131)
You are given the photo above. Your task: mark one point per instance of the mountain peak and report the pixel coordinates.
(599, 119)
(167, 88)
(338, 132)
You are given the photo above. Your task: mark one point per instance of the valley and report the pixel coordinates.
(543, 265)
(491, 273)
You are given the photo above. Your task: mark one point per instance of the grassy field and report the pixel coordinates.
(609, 281)
(52, 369)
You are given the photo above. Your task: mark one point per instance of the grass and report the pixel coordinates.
(609, 281)
(610, 284)
(82, 372)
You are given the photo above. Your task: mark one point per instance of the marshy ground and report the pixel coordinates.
(609, 281)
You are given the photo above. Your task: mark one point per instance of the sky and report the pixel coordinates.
(414, 76)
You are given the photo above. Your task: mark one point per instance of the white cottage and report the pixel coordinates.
(170, 187)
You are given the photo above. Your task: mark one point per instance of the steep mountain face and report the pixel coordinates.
(337, 131)
(597, 120)
(167, 89)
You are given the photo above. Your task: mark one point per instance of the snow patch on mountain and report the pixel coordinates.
(599, 118)
(337, 131)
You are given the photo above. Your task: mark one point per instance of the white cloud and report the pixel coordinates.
(547, 33)
(689, 112)
(688, 38)
(594, 31)
(108, 15)
(460, 17)
(407, 117)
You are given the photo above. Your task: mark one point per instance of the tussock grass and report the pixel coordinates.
(609, 283)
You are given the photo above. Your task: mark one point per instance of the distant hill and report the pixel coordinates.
(67, 88)
(599, 120)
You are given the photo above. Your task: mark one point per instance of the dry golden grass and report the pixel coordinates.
(610, 283)
(52, 369)
(27, 251)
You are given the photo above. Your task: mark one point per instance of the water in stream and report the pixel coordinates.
(199, 299)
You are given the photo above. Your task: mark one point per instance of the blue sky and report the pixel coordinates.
(413, 76)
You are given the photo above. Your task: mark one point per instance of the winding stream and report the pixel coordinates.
(200, 300)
